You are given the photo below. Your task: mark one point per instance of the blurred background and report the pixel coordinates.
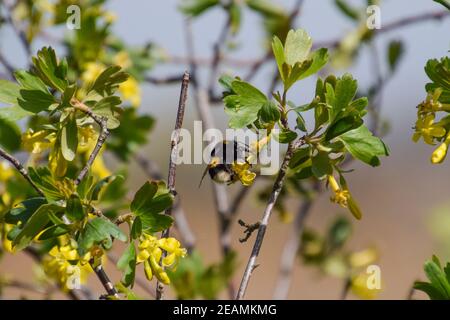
(406, 201)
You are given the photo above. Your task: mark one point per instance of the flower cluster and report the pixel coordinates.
(429, 129)
(151, 252)
(64, 265)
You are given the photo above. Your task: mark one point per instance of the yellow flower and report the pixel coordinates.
(6, 243)
(123, 60)
(57, 163)
(36, 142)
(131, 91)
(432, 104)
(426, 128)
(110, 17)
(363, 258)
(6, 171)
(244, 174)
(151, 252)
(64, 265)
(91, 71)
(438, 155)
(344, 198)
(360, 288)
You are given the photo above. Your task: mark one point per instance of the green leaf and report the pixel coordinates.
(319, 60)
(300, 157)
(96, 190)
(445, 3)
(69, 138)
(243, 104)
(35, 101)
(348, 10)
(10, 135)
(155, 222)
(123, 141)
(30, 81)
(266, 8)
(99, 231)
(108, 81)
(54, 232)
(395, 53)
(127, 263)
(35, 225)
(43, 178)
(342, 126)
(23, 211)
(269, 113)
(197, 7)
(285, 136)
(278, 52)
(136, 228)
(431, 291)
(345, 91)
(437, 278)
(9, 92)
(321, 166)
(364, 146)
(143, 198)
(339, 232)
(74, 208)
(107, 107)
(297, 46)
(48, 69)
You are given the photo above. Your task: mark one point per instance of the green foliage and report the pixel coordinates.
(151, 199)
(192, 279)
(99, 231)
(445, 3)
(439, 286)
(439, 73)
(395, 52)
(127, 263)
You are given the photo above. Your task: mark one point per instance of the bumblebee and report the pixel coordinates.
(230, 162)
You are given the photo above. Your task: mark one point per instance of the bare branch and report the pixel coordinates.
(164, 80)
(173, 158)
(104, 279)
(249, 229)
(278, 185)
(217, 55)
(16, 163)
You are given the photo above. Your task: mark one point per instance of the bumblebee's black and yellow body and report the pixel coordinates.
(223, 156)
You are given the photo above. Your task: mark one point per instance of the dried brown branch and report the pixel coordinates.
(104, 279)
(173, 158)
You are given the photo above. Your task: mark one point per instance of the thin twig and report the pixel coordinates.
(398, 24)
(19, 32)
(217, 55)
(278, 185)
(173, 159)
(187, 237)
(16, 163)
(164, 80)
(104, 279)
(220, 193)
(103, 135)
(249, 229)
